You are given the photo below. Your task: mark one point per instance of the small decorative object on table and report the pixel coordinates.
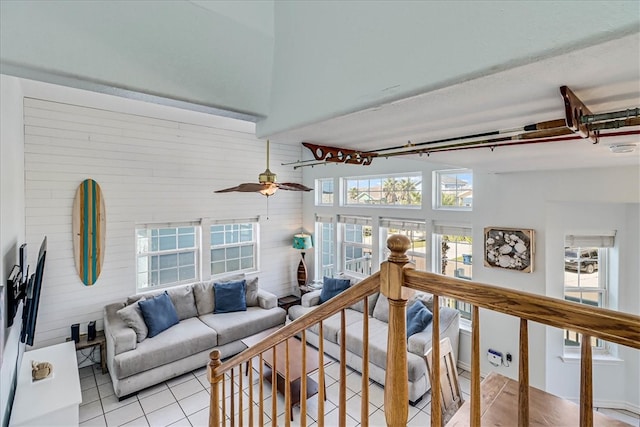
(40, 370)
(303, 242)
(510, 248)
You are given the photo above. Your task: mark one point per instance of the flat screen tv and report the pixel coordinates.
(32, 297)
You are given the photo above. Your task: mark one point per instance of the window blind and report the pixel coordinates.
(324, 218)
(233, 221)
(355, 220)
(600, 240)
(155, 225)
(452, 229)
(403, 224)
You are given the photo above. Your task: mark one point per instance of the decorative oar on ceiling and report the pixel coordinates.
(579, 123)
(266, 185)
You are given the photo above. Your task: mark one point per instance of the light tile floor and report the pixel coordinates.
(184, 401)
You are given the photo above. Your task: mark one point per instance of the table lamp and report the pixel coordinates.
(303, 242)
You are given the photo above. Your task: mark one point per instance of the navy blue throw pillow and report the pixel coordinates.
(332, 287)
(159, 313)
(230, 296)
(418, 318)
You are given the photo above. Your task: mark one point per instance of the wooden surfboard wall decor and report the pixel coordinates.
(89, 229)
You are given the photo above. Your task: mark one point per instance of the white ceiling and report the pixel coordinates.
(606, 77)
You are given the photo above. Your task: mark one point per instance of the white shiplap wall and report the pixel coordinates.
(150, 170)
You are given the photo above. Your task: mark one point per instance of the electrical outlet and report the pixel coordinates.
(494, 357)
(509, 358)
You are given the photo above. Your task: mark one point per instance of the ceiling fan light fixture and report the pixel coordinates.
(269, 191)
(622, 148)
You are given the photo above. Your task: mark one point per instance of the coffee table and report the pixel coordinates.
(295, 366)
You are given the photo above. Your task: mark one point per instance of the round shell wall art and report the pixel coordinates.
(509, 248)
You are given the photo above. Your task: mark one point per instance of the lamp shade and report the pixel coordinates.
(302, 241)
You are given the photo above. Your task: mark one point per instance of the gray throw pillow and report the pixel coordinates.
(203, 293)
(252, 292)
(132, 317)
(381, 310)
(182, 299)
(426, 299)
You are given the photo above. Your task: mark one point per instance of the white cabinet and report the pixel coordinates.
(53, 401)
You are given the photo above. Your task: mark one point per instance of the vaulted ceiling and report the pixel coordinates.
(360, 75)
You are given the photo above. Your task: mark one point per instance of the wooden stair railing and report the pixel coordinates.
(612, 326)
(217, 369)
(397, 280)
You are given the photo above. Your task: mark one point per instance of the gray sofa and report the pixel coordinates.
(417, 344)
(136, 362)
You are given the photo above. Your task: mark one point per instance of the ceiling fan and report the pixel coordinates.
(266, 185)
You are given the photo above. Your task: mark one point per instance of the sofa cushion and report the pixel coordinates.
(132, 316)
(230, 296)
(418, 317)
(188, 337)
(159, 313)
(237, 325)
(183, 301)
(331, 325)
(359, 306)
(378, 339)
(251, 292)
(332, 287)
(426, 299)
(381, 310)
(203, 295)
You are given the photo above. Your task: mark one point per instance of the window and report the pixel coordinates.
(415, 231)
(167, 255)
(324, 191)
(453, 256)
(586, 279)
(403, 190)
(233, 246)
(325, 249)
(356, 244)
(453, 189)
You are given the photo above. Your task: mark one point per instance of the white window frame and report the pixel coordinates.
(144, 250)
(448, 229)
(226, 246)
(356, 221)
(328, 270)
(438, 191)
(411, 228)
(409, 175)
(319, 191)
(602, 242)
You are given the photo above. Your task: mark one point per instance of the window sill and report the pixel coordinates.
(465, 326)
(597, 359)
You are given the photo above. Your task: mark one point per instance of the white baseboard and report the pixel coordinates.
(464, 366)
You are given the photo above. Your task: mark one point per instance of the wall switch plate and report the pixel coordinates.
(494, 357)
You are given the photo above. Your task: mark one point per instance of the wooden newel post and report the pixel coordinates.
(396, 388)
(214, 404)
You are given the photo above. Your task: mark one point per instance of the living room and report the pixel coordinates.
(161, 164)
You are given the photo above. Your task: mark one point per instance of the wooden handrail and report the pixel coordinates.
(612, 326)
(355, 293)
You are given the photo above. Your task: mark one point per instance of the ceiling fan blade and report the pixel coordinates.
(247, 187)
(292, 186)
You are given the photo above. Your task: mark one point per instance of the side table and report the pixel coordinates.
(288, 301)
(99, 340)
